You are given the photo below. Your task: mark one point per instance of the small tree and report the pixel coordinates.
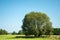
(14, 33)
(20, 32)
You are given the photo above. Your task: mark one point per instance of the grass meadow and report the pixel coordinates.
(21, 37)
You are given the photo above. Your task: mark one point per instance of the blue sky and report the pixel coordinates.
(12, 12)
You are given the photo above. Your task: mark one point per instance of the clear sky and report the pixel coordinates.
(12, 12)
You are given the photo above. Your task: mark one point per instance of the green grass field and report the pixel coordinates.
(13, 37)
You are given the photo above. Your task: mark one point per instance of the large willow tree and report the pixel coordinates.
(36, 23)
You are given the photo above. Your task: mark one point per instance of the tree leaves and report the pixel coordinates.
(36, 23)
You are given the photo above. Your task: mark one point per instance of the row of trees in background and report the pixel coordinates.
(20, 32)
(56, 31)
(4, 32)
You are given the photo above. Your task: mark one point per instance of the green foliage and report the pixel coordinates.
(2, 32)
(20, 32)
(56, 31)
(36, 23)
(14, 33)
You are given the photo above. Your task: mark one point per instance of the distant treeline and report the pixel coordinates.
(56, 31)
(5, 32)
(2, 32)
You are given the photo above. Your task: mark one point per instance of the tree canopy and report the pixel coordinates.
(37, 23)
